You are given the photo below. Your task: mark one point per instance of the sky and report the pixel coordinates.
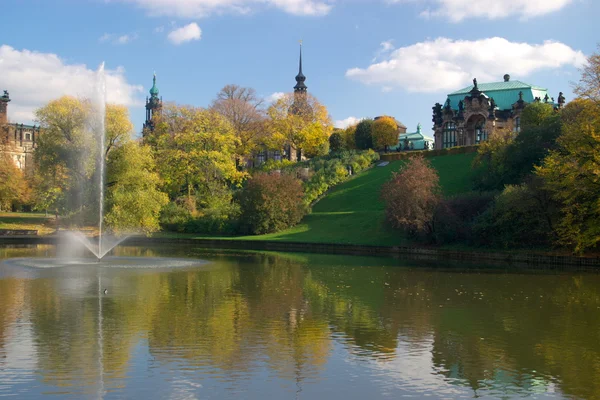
(361, 58)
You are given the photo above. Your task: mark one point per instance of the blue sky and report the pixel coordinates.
(362, 58)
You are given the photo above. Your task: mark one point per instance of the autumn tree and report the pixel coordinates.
(588, 86)
(411, 197)
(14, 189)
(196, 149)
(271, 202)
(348, 135)
(363, 134)
(384, 133)
(244, 110)
(302, 122)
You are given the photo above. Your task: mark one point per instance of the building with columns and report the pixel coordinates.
(470, 115)
(18, 140)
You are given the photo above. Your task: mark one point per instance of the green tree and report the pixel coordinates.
(336, 140)
(363, 134)
(572, 175)
(384, 133)
(134, 200)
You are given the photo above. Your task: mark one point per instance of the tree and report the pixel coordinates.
(349, 137)
(244, 110)
(384, 133)
(14, 189)
(299, 120)
(134, 200)
(572, 174)
(196, 147)
(588, 86)
(336, 140)
(271, 202)
(411, 197)
(363, 134)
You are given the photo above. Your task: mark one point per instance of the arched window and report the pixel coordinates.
(517, 125)
(449, 135)
(480, 133)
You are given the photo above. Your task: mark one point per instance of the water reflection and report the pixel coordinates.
(304, 326)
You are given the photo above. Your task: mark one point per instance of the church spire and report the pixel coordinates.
(300, 78)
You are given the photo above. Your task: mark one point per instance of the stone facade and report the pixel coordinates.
(470, 115)
(18, 140)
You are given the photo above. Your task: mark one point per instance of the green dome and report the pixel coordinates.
(154, 90)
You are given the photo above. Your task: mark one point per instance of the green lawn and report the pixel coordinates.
(353, 213)
(27, 221)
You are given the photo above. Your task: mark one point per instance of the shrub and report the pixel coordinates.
(455, 216)
(411, 197)
(521, 216)
(270, 203)
(174, 217)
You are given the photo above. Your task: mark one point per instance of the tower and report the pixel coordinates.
(153, 106)
(4, 99)
(300, 78)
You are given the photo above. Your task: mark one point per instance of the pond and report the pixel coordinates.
(293, 326)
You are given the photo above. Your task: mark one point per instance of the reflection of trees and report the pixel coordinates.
(516, 330)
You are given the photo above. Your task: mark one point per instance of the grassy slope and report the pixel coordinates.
(353, 213)
(28, 221)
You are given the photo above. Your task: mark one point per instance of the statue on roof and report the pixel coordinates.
(561, 99)
(546, 98)
(419, 127)
(475, 84)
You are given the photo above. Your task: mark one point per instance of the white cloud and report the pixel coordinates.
(204, 8)
(458, 10)
(444, 64)
(185, 34)
(384, 48)
(274, 97)
(118, 39)
(344, 123)
(34, 78)
(159, 29)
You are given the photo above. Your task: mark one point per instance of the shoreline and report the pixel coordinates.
(518, 258)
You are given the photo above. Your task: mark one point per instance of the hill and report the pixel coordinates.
(352, 212)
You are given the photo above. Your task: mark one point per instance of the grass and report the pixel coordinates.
(28, 221)
(352, 212)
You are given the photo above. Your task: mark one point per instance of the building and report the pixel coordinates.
(153, 108)
(470, 115)
(18, 140)
(413, 141)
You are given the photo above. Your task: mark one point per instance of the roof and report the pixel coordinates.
(154, 89)
(505, 94)
(414, 136)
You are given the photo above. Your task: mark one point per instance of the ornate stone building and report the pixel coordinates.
(470, 115)
(18, 140)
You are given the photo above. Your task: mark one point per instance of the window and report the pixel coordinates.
(449, 135)
(517, 125)
(277, 155)
(480, 133)
(28, 136)
(261, 157)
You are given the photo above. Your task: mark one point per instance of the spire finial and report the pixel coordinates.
(300, 78)
(300, 57)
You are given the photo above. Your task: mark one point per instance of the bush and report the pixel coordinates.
(174, 217)
(270, 203)
(411, 197)
(336, 142)
(455, 216)
(520, 216)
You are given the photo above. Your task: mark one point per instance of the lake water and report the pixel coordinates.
(294, 326)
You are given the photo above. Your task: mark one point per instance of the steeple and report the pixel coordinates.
(153, 106)
(4, 99)
(300, 78)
